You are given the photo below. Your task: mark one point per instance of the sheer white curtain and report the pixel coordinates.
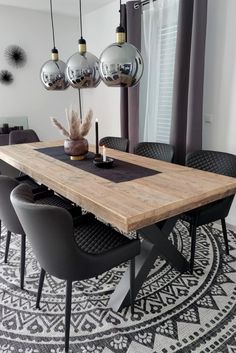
(159, 29)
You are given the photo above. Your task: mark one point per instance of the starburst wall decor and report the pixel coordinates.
(6, 77)
(15, 56)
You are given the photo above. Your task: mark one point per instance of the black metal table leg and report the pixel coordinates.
(155, 243)
(158, 235)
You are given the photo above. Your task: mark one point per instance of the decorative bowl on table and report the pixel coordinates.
(100, 163)
(76, 149)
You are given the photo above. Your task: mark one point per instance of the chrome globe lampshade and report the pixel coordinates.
(82, 67)
(53, 72)
(121, 63)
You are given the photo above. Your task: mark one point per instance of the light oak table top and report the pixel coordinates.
(128, 205)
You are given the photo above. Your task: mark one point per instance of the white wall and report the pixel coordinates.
(220, 81)
(26, 96)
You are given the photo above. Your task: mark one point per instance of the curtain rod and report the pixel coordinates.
(145, 2)
(142, 3)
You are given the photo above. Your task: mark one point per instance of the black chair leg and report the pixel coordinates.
(7, 245)
(68, 314)
(22, 261)
(193, 229)
(132, 284)
(41, 280)
(225, 235)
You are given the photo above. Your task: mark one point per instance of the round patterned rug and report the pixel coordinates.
(173, 312)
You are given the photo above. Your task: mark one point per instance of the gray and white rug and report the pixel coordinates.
(173, 312)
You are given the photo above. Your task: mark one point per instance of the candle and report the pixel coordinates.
(96, 136)
(104, 157)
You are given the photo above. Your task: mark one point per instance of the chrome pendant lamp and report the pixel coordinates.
(53, 72)
(121, 63)
(82, 67)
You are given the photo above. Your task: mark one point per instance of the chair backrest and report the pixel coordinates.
(155, 150)
(4, 139)
(50, 232)
(7, 212)
(22, 136)
(117, 143)
(213, 161)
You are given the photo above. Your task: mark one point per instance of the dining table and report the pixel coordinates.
(136, 194)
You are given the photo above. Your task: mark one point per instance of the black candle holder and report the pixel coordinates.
(100, 163)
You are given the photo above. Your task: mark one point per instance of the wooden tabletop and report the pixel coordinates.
(128, 205)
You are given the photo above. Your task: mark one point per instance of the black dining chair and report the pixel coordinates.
(22, 136)
(155, 150)
(116, 143)
(216, 162)
(11, 221)
(25, 136)
(71, 253)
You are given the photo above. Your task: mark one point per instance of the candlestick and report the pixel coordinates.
(96, 136)
(104, 157)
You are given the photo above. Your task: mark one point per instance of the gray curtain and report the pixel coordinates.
(186, 129)
(129, 103)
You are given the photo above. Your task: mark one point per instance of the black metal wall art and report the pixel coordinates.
(6, 77)
(15, 56)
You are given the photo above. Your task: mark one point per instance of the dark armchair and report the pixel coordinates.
(23, 136)
(216, 162)
(155, 150)
(70, 253)
(117, 143)
(11, 221)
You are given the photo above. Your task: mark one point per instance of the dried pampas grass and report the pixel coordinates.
(63, 131)
(85, 127)
(76, 130)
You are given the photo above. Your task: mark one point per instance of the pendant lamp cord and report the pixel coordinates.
(120, 13)
(81, 36)
(80, 105)
(53, 35)
(80, 16)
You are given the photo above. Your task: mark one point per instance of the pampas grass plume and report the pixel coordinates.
(76, 130)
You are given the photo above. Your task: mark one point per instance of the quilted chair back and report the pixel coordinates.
(213, 161)
(155, 150)
(116, 143)
(22, 136)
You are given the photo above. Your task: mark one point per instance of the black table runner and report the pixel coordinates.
(120, 172)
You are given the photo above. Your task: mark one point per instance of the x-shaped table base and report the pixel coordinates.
(155, 243)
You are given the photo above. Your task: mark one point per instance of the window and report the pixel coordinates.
(167, 62)
(159, 33)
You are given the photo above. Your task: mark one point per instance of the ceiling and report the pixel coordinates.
(66, 7)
